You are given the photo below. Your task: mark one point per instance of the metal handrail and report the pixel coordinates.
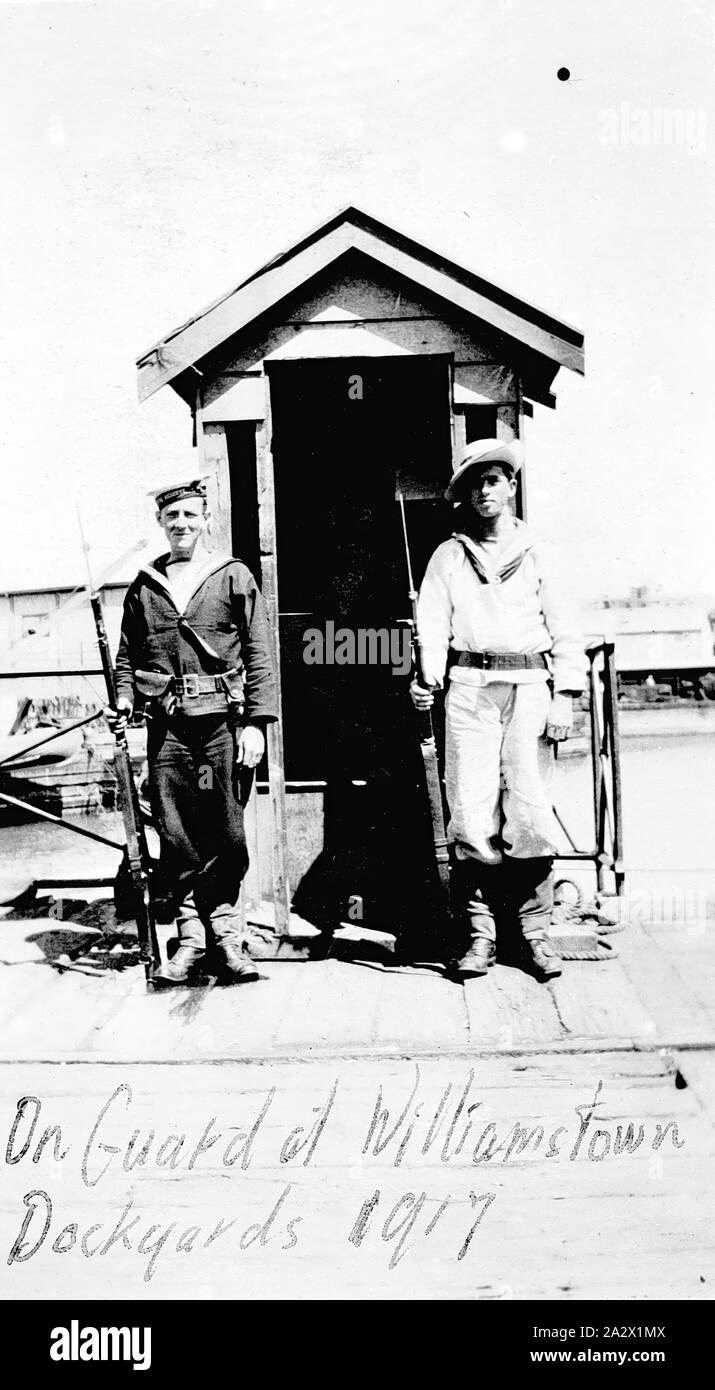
(607, 851)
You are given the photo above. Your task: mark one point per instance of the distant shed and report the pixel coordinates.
(654, 637)
(354, 364)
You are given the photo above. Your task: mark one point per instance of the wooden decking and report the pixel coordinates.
(655, 993)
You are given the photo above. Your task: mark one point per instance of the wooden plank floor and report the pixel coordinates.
(655, 992)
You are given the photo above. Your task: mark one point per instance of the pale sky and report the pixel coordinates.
(154, 153)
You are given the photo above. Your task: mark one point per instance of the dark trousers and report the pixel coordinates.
(196, 798)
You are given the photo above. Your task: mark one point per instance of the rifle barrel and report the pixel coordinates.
(427, 741)
(104, 652)
(410, 580)
(137, 851)
(412, 595)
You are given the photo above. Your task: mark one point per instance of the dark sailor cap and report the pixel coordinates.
(171, 492)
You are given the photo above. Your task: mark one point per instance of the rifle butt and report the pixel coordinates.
(436, 810)
(137, 857)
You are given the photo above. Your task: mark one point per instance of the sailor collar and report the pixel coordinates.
(511, 555)
(157, 571)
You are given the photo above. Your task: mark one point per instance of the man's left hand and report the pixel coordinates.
(250, 746)
(559, 722)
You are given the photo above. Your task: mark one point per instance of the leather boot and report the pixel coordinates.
(476, 887)
(531, 897)
(233, 963)
(478, 957)
(191, 951)
(235, 966)
(543, 959)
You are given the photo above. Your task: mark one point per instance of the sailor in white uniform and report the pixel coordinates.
(497, 625)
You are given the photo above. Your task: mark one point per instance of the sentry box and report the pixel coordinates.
(351, 367)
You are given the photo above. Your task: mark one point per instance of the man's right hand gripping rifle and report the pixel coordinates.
(118, 718)
(422, 695)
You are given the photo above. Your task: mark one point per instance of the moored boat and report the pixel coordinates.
(74, 771)
(26, 750)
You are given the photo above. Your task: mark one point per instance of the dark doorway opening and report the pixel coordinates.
(345, 435)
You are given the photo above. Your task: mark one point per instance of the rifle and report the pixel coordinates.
(427, 739)
(137, 850)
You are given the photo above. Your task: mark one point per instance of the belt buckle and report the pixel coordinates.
(190, 689)
(488, 659)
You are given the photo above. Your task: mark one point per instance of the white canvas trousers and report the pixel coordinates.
(498, 768)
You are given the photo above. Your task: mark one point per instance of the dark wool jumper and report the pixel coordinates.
(226, 612)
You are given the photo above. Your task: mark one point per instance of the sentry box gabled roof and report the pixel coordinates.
(540, 341)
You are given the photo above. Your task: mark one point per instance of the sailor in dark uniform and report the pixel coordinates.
(195, 645)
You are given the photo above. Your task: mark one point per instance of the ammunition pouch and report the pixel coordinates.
(152, 684)
(232, 682)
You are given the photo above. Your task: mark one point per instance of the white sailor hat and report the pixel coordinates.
(193, 486)
(481, 452)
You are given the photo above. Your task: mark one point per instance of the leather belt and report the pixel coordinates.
(190, 686)
(499, 661)
(193, 693)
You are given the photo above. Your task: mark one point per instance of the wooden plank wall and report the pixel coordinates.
(269, 586)
(213, 455)
(387, 321)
